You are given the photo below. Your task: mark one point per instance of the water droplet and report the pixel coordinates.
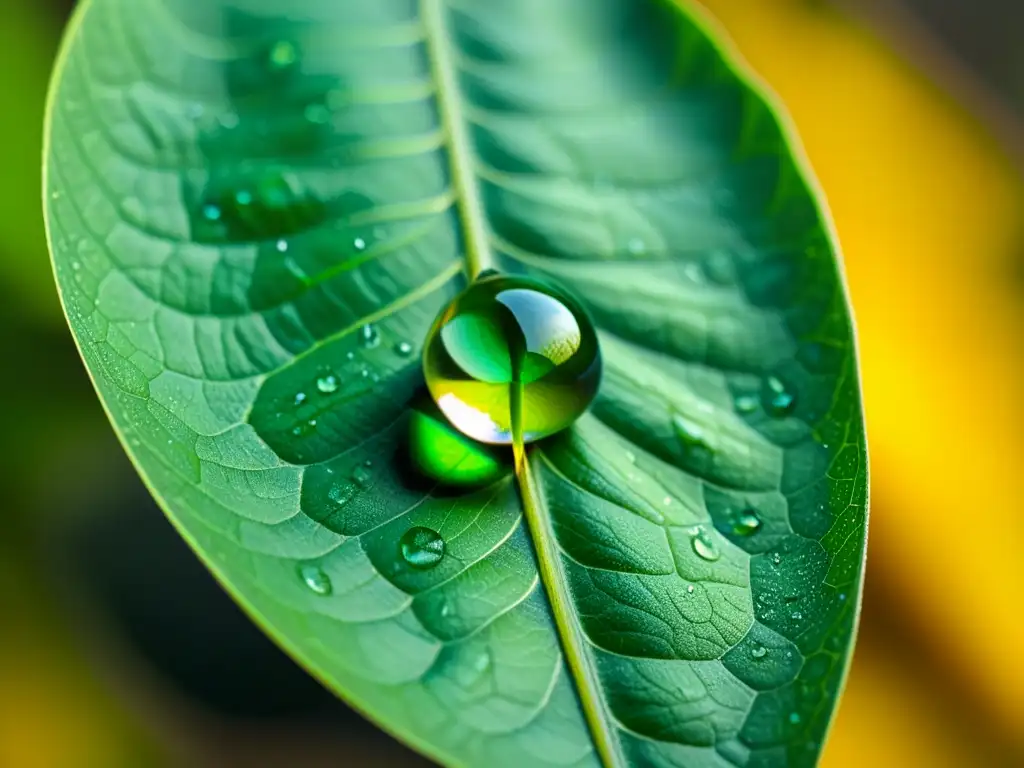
(512, 349)
(359, 244)
(282, 246)
(667, 501)
(404, 348)
(689, 589)
(76, 265)
(312, 422)
(211, 212)
(282, 55)
(796, 616)
(747, 523)
(243, 197)
(779, 401)
(327, 384)
(636, 246)
(315, 578)
(350, 355)
(369, 337)
(759, 652)
(794, 718)
(842, 596)
(745, 404)
(691, 435)
(703, 544)
(300, 398)
(776, 558)
(445, 609)
(422, 548)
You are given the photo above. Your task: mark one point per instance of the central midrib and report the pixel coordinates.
(480, 256)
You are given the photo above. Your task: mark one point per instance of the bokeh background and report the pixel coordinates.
(116, 648)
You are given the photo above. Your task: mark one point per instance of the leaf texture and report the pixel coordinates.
(256, 209)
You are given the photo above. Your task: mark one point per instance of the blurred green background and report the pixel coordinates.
(116, 648)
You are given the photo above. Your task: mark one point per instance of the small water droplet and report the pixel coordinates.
(243, 197)
(350, 355)
(794, 718)
(359, 244)
(404, 348)
(703, 544)
(445, 609)
(747, 523)
(361, 477)
(282, 54)
(667, 501)
(691, 435)
(745, 403)
(689, 589)
(300, 398)
(55, 195)
(211, 212)
(315, 578)
(75, 265)
(776, 558)
(842, 596)
(796, 616)
(342, 494)
(312, 422)
(759, 652)
(282, 246)
(422, 548)
(369, 337)
(779, 400)
(636, 246)
(327, 384)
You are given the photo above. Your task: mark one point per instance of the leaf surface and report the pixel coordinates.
(256, 209)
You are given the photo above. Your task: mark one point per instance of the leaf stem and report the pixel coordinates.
(574, 642)
(477, 245)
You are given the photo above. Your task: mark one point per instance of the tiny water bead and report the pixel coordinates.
(512, 354)
(327, 384)
(422, 548)
(369, 337)
(747, 523)
(315, 579)
(703, 544)
(282, 55)
(759, 652)
(779, 400)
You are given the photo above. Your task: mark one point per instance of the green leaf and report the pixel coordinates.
(256, 209)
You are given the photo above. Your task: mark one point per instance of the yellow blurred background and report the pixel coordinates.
(930, 212)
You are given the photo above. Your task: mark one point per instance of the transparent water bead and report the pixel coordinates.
(512, 350)
(422, 548)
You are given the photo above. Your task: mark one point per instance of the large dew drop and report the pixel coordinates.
(512, 354)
